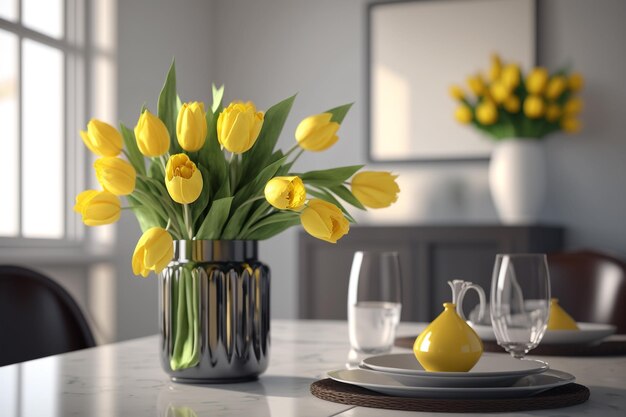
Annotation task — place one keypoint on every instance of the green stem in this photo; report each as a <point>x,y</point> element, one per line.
<point>300,152</point>
<point>293,148</point>
<point>188,224</point>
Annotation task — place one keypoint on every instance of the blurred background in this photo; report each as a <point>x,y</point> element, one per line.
<point>63,62</point>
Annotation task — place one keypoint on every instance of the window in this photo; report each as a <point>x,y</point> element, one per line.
<point>43,100</point>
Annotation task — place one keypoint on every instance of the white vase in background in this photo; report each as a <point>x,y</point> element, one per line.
<point>517,180</point>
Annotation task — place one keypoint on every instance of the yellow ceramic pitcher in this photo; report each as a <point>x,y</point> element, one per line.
<point>449,344</point>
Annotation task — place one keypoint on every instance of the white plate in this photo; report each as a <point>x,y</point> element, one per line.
<point>588,334</point>
<point>385,384</point>
<point>490,365</point>
<point>450,382</point>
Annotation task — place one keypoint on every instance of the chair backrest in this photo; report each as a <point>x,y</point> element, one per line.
<point>38,317</point>
<point>591,286</point>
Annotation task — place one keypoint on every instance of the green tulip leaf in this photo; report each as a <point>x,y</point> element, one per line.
<point>146,217</point>
<point>218,96</point>
<point>272,225</point>
<point>223,190</point>
<point>259,155</point>
<point>211,227</point>
<point>132,151</point>
<point>257,185</point>
<point>212,155</point>
<point>235,223</point>
<point>198,206</point>
<point>346,195</point>
<point>326,196</point>
<point>168,106</point>
<point>329,177</point>
<point>155,170</point>
<point>260,210</point>
<point>339,113</point>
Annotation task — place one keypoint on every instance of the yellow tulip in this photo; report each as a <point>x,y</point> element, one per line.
<point>152,136</point>
<point>537,80</point>
<point>456,92</point>
<point>153,252</point>
<point>115,175</point>
<point>499,91</point>
<point>571,124</point>
<point>553,112</point>
<point>512,104</point>
<point>576,82</point>
<point>556,87</point>
<point>238,126</point>
<point>496,67</point>
<point>317,133</point>
<point>183,179</point>
<point>98,207</point>
<point>102,139</point>
<point>324,221</point>
<point>487,113</point>
<point>534,107</point>
<point>285,193</point>
<point>573,106</point>
<point>463,114</point>
<point>375,189</point>
<point>191,126</point>
<point>510,76</point>
<point>476,84</point>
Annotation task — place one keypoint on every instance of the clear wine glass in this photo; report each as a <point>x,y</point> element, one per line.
<point>520,301</point>
<point>374,301</point>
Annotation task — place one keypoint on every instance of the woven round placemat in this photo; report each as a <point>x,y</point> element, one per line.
<point>564,396</point>
<point>606,348</point>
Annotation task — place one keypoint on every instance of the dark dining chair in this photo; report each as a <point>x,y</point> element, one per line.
<point>38,317</point>
<point>590,286</point>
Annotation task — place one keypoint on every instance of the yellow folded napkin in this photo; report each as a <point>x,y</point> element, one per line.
<point>559,319</point>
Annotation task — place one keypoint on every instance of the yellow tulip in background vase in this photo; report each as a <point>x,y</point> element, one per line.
<point>206,183</point>
<point>517,111</point>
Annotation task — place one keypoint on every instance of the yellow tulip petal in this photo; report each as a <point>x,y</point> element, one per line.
<point>317,133</point>
<point>315,225</point>
<point>153,252</point>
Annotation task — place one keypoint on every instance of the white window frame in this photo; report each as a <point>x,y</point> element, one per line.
<point>77,59</point>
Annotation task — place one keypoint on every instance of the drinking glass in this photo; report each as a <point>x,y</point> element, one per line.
<point>520,301</point>
<point>374,301</point>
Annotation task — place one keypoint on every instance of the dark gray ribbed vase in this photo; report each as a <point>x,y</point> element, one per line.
<point>232,291</point>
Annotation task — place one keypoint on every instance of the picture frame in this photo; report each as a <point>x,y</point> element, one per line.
<point>417,49</point>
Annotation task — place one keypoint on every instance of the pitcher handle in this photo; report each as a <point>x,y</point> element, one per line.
<point>481,298</point>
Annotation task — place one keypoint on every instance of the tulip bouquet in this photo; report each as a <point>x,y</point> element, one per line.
<point>512,105</point>
<point>214,174</point>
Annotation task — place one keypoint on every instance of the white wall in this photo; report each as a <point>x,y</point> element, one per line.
<point>267,50</point>
<point>586,178</point>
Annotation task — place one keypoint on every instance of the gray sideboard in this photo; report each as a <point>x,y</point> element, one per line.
<point>429,256</point>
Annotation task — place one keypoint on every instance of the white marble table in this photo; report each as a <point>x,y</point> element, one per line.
<point>125,379</point>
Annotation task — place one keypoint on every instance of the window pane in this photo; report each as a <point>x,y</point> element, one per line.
<point>9,149</point>
<point>42,141</point>
<point>44,16</point>
<point>8,9</point>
